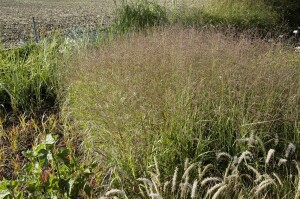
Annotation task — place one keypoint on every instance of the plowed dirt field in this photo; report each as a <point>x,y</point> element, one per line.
<point>16,17</point>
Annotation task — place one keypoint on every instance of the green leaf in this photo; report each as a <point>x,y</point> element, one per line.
<point>20,195</point>
<point>88,190</point>
<point>63,156</point>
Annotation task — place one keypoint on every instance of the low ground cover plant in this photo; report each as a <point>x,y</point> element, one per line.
<point>49,173</point>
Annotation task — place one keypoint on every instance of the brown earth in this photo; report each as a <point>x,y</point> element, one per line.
<point>16,17</point>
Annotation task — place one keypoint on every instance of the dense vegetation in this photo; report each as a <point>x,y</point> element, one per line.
<point>171,101</point>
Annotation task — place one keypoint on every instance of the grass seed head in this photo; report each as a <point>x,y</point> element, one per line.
<point>290,149</point>
<point>269,156</point>
<point>282,161</point>
<point>210,179</point>
<point>155,196</point>
<point>174,180</point>
<point>115,192</point>
<point>194,189</point>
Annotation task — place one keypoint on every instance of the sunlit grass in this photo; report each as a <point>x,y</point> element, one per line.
<point>177,94</point>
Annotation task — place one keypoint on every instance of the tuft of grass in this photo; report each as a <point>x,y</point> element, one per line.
<point>29,77</point>
<point>177,94</point>
<point>139,15</point>
<point>227,13</point>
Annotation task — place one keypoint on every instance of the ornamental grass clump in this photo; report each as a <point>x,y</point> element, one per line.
<point>177,94</point>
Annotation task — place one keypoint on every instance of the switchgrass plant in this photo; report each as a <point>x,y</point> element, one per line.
<point>179,93</point>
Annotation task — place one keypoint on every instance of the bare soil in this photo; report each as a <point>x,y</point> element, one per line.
<point>16,17</point>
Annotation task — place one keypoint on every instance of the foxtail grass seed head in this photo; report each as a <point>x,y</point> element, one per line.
<point>244,156</point>
<point>220,190</point>
<point>210,179</point>
<point>251,140</point>
<point>115,192</point>
<point>290,149</point>
<point>194,189</point>
<point>223,154</point>
<point>235,160</point>
<point>166,184</point>
<point>201,172</point>
<point>263,185</point>
<point>215,187</point>
<point>187,171</point>
<point>269,156</point>
<point>155,196</point>
<point>145,180</point>
<point>185,186</point>
<point>174,180</point>
<point>282,161</point>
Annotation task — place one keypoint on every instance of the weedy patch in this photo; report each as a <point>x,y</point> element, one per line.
<point>49,172</point>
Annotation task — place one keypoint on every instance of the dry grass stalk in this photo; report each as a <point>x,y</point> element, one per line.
<point>269,156</point>
<point>186,164</point>
<point>187,171</point>
<point>185,186</point>
<point>282,161</point>
<point>156,167</point>
<point>148,184</point>
<point>264,184</point>
<point>210,179</point>
<point>297,192</point>
<point>257,173</point>
<point>115,192</point>
<point>194,189</point>
<point>244,156</point>
<point>290,149</point>
<point>278,179</point>
<point>145,180</point>
<point>155,181</point>
<point>201,172</point>
<point>166,184</point>
<point>213,188</point>
<point>155,196</point>
<point>220,190</point>
<point>174,180</point>
<point>221,154</point>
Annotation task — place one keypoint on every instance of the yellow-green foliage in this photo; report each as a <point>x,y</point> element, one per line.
<point>237,13</point>
<point>29,77</point>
